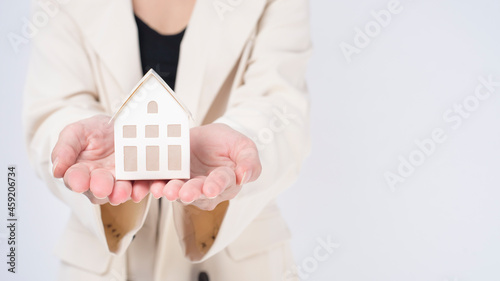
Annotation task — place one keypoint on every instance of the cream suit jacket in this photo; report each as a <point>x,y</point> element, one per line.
<point>242,63</point>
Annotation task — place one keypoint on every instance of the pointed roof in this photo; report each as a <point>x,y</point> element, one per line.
<point>152,74</point>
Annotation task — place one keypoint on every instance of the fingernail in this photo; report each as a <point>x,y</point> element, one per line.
<point>211,197</point>
<point>246,177</point>
<point>210,190</point>
<point>54,165</point>
<point>185,202</point>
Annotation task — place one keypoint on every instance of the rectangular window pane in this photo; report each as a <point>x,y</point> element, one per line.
<point>174,157</point>
<point>129,131</point>
<point>174,130</point>
<point>152,131</point>
<point>130,158</point>
<point>152,158</point>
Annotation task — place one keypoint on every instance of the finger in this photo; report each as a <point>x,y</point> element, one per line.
<point>139,190</point>
<point>218,180</point>
<point>121,192</point>
<point>171,189</point>
<point>94,200</point>
<point>77,178</point>
<point>101,183</point>
<point>69,145</point>
<point>248,167</point>
<point>157,188</point>
<point>191,190</point>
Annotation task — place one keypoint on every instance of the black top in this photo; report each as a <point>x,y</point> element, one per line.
<point>159,52</point>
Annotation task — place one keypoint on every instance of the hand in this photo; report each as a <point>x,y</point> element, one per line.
<point>84,157</point>
<point>222,160</point>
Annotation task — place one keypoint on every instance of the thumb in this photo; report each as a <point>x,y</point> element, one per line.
<point>69,145</point>
<point>248,166</point>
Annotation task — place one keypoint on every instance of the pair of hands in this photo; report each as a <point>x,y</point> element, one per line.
<point>222,160</point>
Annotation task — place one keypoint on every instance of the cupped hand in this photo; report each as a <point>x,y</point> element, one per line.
<point>84,157</point>
<point>222,160</point>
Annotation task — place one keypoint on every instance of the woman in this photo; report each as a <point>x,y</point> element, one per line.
<point>239,67</point>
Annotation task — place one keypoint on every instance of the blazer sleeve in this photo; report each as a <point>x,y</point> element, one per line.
<point>272,108</point>
<point>60,89</point>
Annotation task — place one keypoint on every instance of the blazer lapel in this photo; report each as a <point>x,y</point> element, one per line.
<point>110,29</point>
<point>212,44</point>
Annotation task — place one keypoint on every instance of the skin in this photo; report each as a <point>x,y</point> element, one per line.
<point>222,160</point>
<point>164,16</point>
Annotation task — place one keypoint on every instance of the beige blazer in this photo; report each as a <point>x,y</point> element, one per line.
<point>242,63</point>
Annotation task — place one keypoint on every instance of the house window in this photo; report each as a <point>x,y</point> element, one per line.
<point>152,107</point>
<point>130,158</point>
<point>129,131</point>
<point>152,158</point>
<point>174,157</point>
<point>152,131</point>
<point>174,130</point>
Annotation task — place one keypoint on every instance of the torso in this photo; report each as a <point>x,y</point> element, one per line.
<point>159,52</point>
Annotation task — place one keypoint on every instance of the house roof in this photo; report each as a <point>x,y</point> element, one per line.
<point>152,74</point>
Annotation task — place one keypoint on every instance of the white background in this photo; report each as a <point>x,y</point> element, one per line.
<point>441,223</point>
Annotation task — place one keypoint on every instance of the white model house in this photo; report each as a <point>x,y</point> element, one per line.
<point>152,133</point>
